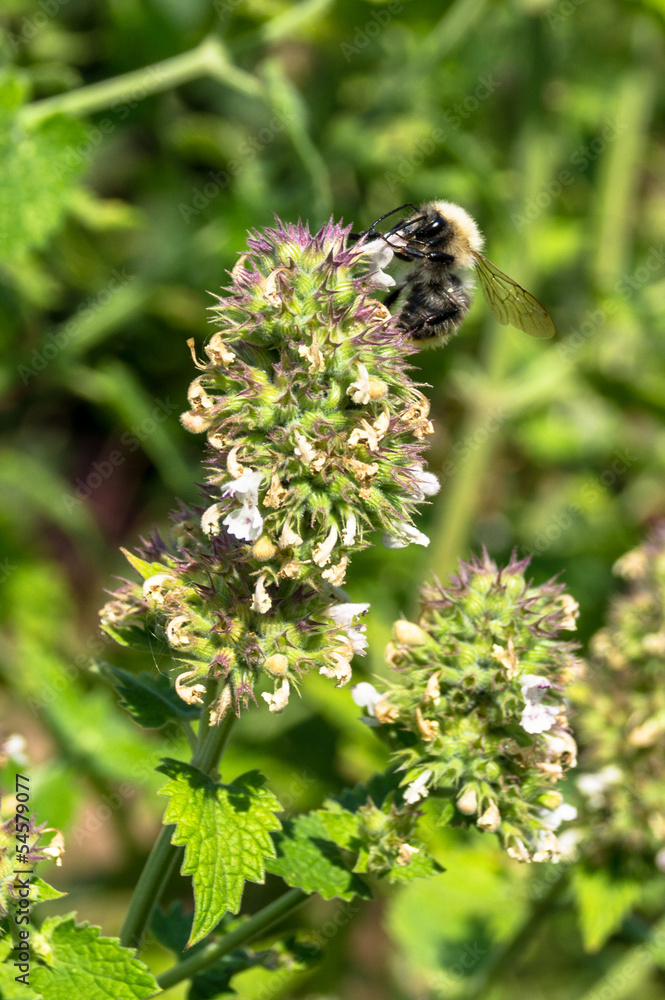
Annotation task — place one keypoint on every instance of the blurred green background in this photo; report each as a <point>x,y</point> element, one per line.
<point>545,120</point>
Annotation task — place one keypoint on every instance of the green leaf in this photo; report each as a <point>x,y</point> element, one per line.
<point>40,168</point>
<point>309,859</point>
<point>82,963</point>
<point>603,901</point>
<point>149,698</point>
<point>43,891</point>
<point>225,830</point>
<point>144,569</point>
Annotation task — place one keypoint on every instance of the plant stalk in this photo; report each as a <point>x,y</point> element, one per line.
<point>164,855</point>
<point>261,921</point>
<point>207,59</point>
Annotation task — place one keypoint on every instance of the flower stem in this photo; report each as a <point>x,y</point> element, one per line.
<point>207,59</point>
<point>241,935</point>
<point>164,855</point>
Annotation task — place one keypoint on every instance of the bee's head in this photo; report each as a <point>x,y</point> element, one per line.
<point>442,225</point>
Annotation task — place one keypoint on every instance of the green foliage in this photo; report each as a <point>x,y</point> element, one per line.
<point>603,901</point>
<point>79,961</point>
<point>40,168</point>
<point>546,121</point>
<point>225,830</point>
<point>173,929</point>
<point>149,698</point>
<point>307,857</point>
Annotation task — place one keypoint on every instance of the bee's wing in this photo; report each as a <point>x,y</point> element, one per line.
<point>511,303</point>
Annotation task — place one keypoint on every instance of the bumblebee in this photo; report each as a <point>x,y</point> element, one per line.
<point>440,239</point>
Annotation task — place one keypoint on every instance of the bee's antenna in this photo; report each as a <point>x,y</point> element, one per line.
<point>399,208</point>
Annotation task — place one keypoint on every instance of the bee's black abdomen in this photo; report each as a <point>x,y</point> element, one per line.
<point>435,306</point>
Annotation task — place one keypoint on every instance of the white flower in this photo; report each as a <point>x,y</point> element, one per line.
<point>175,634</point>
<point>407,535</point>
<point>191,694</point>
<point>553,818</point>
<point>405,853</point>
<point>349,531</point>
<point>660,860</point>
<point>427,485</point>
<point>417,789</point>
<point>340,668</point>
<point>547,847</point>
<point>517,849</point>
<point>210,520</point>
<point>536,717</point>
<point>366,696</point>
<point>359,390</point>
<point>322,552</point>
<point>14,748</point>
<point>277,702</point>
<point>261,600</point>
<point>568,841</point>
<point>343,615</point>
<point>244,486</point>
<point>593,786</point>
<point>533,682</point>
<point>244,523</point>
<point>379,254</point>
<point>152,587</point>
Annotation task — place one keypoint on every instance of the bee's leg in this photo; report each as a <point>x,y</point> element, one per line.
<point>449,315</point>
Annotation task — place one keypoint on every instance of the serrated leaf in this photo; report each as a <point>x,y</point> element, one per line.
<point>82,963</point>
<point>308,859</point>
<point>603,902</point>
<point>40,167</point>
<point>225,830</point>
<point>149,698</point>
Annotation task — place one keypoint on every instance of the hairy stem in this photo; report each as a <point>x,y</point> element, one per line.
<point>164,855</point>
<point>261,921</point>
